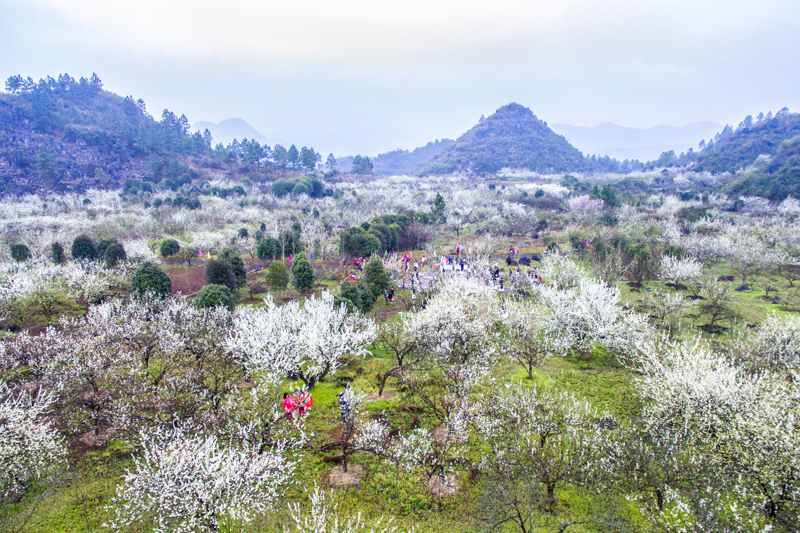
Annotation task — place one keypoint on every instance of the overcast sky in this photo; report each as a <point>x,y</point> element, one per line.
<point>358,76</point>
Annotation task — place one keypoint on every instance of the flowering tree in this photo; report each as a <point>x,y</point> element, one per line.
<point>29,445</point>
<point>551,437</point>
<point>529,338</point>
<point>777,343</point>
<point>193,483</point>
<point>301,342</point>
<point>590,312</point>
<point>675,270</point>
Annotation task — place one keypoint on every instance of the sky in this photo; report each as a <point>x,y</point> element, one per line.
<point>358,76</point>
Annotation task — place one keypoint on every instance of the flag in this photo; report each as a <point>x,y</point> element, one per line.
<point>291,258</point>
<point>312,256</point>
<point>519,244</point>
<point>200,253</point>
<point>587,243</point>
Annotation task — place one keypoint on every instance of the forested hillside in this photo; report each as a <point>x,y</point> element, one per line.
<point>512,137</point>
<point>65,134</point>
<point>400,162</point>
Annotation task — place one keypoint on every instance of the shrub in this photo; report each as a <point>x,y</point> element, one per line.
<point>350,293</point>
<point>211,296</point>
<point>57,253</point>
<point>303,273</point>
<point>150,278</point>
<point>103,244</point>
<point>377,278</point>
<point>20,252</point>
<point>169,247</point>
<point>269,248</point>
<point>83,247</point>
<point>220,272</point>
<point>237,265</point>
<point>114,254</point>
<point>277,276</point>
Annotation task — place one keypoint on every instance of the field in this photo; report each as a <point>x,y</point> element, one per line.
<point>640,385</point>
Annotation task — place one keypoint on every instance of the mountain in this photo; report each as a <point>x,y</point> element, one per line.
<point>512,137</point>
<point>400,162</point>
<point>622,142</point>
<point>65,134</point>
<point>233,128</point>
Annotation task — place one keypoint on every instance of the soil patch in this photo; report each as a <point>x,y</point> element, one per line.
<point>339,478</point>
<point>443,487</point>
<point>372,396</point>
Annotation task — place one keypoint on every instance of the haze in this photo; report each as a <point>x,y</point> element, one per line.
<point>365,77</point>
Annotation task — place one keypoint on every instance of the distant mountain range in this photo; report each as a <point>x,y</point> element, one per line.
<point>620,142</point>
<point>233,128</point>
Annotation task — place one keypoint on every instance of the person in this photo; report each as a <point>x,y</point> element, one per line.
<point>416,265</point>
<point>289,405</point>
<point>391,294</point>
<point>304,401</point>
<point>344,408</point>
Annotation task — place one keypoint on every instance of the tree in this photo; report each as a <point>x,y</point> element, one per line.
<point>529,339</point>
<point>349,291</point>
<point>269,248</point>
<point>57,253</point>
<point>293,157</point>
<point>301,343</point>
<point>20,252</point>
<point>214,296</point>
<point>29,443</point>
<point>330,162</point>
<point>303,273</point>
<point>169,247</point>
<point>281,156</point>
<point>309,159</point>
<point>113,254</point>
<point>237,265</point>
<point>361,165</point>
<point>377,277</point>
<point>83,247</point>
<point>149,278</point>
<point>220,272</point>
<point>193,483</point>
<point>277,276</point>
<point>437,212</point>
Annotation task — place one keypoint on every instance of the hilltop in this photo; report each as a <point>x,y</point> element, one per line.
<point>512,137</point>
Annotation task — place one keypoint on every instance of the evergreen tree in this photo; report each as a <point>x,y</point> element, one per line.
<point>83,247</point>
<point>377,278</point>
<point>57,253</point>
<point>212,295</point>
<point>303,273</point>
<point>148,278</point>
<point>220,272</point>
<point>237,265</point>
<point>437,213</point>
<point>114,254</point>
<point>20,252</point>
<point>169,247</point>
<point>350,292</point>
<point>277,276</point>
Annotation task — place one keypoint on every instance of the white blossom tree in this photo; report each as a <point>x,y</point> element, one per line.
<point>304,343</point>
<point>29,444</point>
<point>194,483</point>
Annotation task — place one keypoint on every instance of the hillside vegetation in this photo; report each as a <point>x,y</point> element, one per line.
<point>512,137</point>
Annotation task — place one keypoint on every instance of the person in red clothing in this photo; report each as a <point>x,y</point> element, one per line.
<point>289,405</point>
<point>304,401</point>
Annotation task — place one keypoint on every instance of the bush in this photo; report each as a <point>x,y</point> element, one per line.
<point>20,252</point>
<point>237,265</point>
<point>350,294</point>
<point>169,247</point>
<point>212,295</point>
<point>377,278</point>
<point>220,272</point>
<point>150,278</point>
<point>303,273</point>
<point>277,276</point>
<point>83,247</point>
<point>103,244</point>
<point>269,248</point>
<point>114,254</point>
<point>57,253</point>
